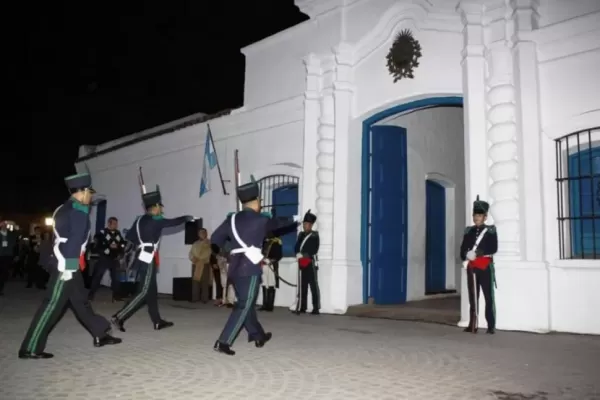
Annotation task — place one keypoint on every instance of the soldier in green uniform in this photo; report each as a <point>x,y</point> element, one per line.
<point>307,247</point>
<point>479,244</point>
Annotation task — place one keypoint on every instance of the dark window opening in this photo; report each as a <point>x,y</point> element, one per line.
<point>578,187</point>
<point>279,195</point>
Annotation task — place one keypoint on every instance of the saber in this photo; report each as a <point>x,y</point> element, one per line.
<point>236,168</point>
<point>141,179</point>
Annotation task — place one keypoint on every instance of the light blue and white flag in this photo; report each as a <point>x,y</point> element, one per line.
<point>209,162</point>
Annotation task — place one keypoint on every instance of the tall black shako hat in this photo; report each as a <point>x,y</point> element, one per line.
<point>310,217</point>
<point>480,206</point>
<point>151,199</point>
<point>248,191</point>
<point>79,182</point>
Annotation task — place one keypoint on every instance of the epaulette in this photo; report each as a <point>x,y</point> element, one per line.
<point>230,214</point>
<point>266,214</point>
<point>468,229</point>
<point>491,229</point>
<point>101,231</point>
<point>315,232</point>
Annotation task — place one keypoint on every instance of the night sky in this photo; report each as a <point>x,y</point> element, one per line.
<point>87,73</point>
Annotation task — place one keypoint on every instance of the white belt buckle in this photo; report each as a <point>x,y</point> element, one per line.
<point>254,254</point>
<point>146,256</point>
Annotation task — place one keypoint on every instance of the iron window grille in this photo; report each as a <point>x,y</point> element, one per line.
<point>279,196</point>
<point>578,191</point>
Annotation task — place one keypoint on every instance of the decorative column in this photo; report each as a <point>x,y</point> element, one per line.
<point>325,164</point>
<point>502,136</point>
<point>525,19</point>
<point>312,107</point>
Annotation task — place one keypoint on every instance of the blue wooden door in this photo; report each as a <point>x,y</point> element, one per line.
<point>435,238</point>
<point>388,230</point>
<point>285,204</point>
<point>100,215</point>
<point>584,194</point>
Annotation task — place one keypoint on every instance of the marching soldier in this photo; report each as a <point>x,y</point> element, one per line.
<point>307,247</point>
<point>270,276</point>
<point>111,247</point>
<point>71,233</point>
<point>479,244</point>
<point>145,233</point>
<point>246,230</point>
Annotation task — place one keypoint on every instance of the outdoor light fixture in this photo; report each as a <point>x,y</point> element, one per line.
<point>49,222</point>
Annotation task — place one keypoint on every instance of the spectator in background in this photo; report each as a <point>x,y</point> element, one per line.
<point>33,268</point>
<point>8,252</point>
<point>46,255</point>
<point>200,256</point>
<point>216,271</point>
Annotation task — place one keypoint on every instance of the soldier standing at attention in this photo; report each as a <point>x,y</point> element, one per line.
<point>307,247</point>
<point>478,247</point>
<point>246,230</point>
<point>71,233</point>
<point>145,233</point>
<point>111,248</point>
<point>272,250</point>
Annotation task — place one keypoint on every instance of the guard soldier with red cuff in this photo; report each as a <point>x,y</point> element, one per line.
<point>71,233</point>
<point>479,244</point>
<point>307,247</point>
<point>145,234</point>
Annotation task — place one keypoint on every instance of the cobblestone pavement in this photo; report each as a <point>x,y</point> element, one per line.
<point>310,357</point>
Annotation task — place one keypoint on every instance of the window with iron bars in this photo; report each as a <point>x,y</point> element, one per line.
<point>578,187</point>
<point>279,195</point>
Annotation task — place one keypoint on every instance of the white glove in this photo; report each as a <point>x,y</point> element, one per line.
<point>296,218</point>
<point>471,255</point>
<point>267,261</point>
<point>298,256</point>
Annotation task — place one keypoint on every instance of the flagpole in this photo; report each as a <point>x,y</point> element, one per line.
<point>217,160</point>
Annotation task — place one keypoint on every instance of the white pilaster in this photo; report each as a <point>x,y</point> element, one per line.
<point>474,68</point>
<point>326,164</point>
<point>525,19</point>
<point>502,136</point>
<point>343,90</point>
<point>312,106</point>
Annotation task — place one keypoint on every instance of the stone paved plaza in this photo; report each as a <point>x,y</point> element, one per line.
<point>310,357</point>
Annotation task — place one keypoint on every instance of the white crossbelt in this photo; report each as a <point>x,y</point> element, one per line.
<point>145,256</point>
<point>252,253</point>
<point>471,253</point>
<point>61,261</point>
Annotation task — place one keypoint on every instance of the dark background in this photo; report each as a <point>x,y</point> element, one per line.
<point>87,73</point>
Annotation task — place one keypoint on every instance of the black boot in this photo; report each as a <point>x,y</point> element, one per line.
<point>163,325</point>
<point>265,300</point>
<point>27,355</point>
<point>223,348</point>
<point>118,323</point>
<point>261,343</point>
<point>106,340</point>
<point>470,328</point>
<point>271,297</point>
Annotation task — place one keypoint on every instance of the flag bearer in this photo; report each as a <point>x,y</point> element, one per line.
<point>246,230</point>
<point>71,233</point>
<point>479,244</point>
<point>145,233</point>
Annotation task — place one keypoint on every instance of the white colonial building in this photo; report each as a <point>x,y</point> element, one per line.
<point>504,104</point>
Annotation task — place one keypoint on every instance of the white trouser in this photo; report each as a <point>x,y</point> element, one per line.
<point>268,276</point>
<point>228,293</point>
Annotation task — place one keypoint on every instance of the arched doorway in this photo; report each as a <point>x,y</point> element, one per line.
<point>384,225</point>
